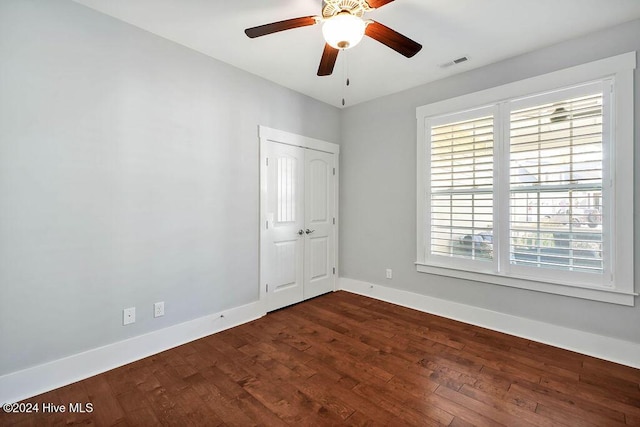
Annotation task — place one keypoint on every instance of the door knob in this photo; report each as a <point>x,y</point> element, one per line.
<point>300,232</point>
<point>309,231</point>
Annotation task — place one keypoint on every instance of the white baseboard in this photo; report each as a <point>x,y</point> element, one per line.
<point>39,379</point>
<point>612,349</point>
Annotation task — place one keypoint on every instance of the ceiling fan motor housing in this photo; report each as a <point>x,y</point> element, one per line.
<point>354,7</point>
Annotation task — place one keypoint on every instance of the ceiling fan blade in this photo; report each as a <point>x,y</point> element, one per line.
<point>274,27</point>
<point>392,39</point>
<point>328,60</point>
<point>378,3</point>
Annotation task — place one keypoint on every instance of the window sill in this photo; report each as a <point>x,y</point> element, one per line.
<point>596,294</point>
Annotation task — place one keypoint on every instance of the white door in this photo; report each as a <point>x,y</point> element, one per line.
<point>297,255</point>
<point>319,245</point>
<point>282,254</point>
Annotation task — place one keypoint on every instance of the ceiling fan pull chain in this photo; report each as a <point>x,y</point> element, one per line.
<point>345,75</point>
<point>346,66</point>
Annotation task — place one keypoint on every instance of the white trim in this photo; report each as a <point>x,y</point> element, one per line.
<point>423,182</point>
<point>607,348</point>
<point>622,221</point>
<point>336,228</point>
<point>269,134</point>
<point>39,379</point>
<point>540,284</point>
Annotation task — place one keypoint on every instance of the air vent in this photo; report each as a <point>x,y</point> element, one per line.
<point>454,62</point>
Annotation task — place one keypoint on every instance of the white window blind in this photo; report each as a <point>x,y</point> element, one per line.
<point>556,185</point>
<point>462,188</point>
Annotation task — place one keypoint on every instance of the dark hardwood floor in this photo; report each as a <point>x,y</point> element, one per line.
<point>344,359</point>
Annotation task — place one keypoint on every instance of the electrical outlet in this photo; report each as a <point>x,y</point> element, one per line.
<point>128,315</point>
<point>158,309</point>
<point>389,273</point>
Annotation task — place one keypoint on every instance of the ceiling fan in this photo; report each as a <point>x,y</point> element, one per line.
<point>343,27</point>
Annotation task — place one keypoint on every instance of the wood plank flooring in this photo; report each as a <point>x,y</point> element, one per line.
<point>344,359</point>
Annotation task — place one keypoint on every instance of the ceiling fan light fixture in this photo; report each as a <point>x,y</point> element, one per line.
<point>344,30</point>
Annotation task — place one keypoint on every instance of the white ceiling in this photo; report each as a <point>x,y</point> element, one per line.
<point>486,31</point>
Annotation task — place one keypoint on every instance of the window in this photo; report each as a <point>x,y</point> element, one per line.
<point>556,171</point>
<point>461,189</point>
<point>526,189</point>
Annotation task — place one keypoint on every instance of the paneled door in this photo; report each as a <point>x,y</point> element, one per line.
<point>298,231</point>
<point>319,244</point>
<point>282,255</point>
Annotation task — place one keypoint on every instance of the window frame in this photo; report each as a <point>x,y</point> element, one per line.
<point>568,277</point>
<point>438,260</point>
<point>618,287</point>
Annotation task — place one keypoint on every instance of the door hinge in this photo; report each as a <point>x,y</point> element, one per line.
<point>334,270</point>
<point>334,171</point>
<point>267,225</point>
<point>267,160</point>
<point>267,287</point>
<point>334,220</point>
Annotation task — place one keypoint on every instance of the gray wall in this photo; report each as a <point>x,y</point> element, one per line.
<point>378,191</point>
<point>128,175</point>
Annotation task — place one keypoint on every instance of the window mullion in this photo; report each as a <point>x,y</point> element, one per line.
<point>501,189</point>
